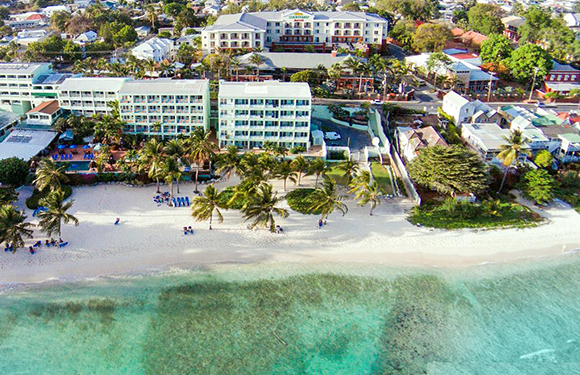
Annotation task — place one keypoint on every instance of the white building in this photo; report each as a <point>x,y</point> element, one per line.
<point>251,113</point>
<point>156,49</point>
<point>21,86</point>
<point>572,19</point>
<point>293,30</point>
<point>89,96</point>
<point>50,10</point>
<point>462,110</point>
<point>164,106</point>
<point>25,37</point>
<point>486,139</point>
<point>570,150</point>
<point>86,38</point>
<point>44,114</point>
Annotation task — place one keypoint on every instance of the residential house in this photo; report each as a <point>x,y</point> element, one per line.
<point>411,141</point>
<point>25,37</point>
<point>511,25</point>
<point>44,114</point>
<point>472,38</point>
<point>570,150</point>
<point>50,10</point>
<point>562,78</point>
<point>156,49</point>
<point>143,31</point>
<point>87,37</point>
<point>485,139</point>
<point>572,19</point>
<point>462,110</point>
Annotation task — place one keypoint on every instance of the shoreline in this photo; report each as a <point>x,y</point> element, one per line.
<point>150,238</point>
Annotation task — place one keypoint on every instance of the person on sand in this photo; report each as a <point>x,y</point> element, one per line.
<point>320,224</point>
<point>190,230</point>
<point>117,221</point>
<point>185,231</point>
<point>31,249</point>
<point>52,242</point>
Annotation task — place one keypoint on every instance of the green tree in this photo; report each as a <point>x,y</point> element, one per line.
<point>59,20</point>
<point>262,207</point>
<point>300,165</point>
<point>151,158</point>
<point>326,199</point>
<point>449,170</point>
<point>285,172</point>
<point>485,18</point>
<point>228,161</point>
<point>423,10</point>
<point>495,49</point>
<point>537,19</point>
<point>524,61</point>
<point>317,168</point>
<point>126,34</point>
<point>544,159</point>
<point>205,205</point>
<point>308,76</point>
<point>403,31</point>
<point>349,169</point>
<point>49,175</point>
<point>13,171</point>
<point>539,186</point>
<point>7,195</point>
<point>200,149</point>
<point>430,37</point>
<point>511,152</point>
<point>13,228</point>
<point>51,220</point>
<point>186,54</point>
<point>366,191</point>
<point>171,172</point>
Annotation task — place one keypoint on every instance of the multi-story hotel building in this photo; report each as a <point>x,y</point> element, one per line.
<point>293,30</point>
<point>251,113</point>
<point>24,86</point>
<point>89,95</point>
<point>164,107</point>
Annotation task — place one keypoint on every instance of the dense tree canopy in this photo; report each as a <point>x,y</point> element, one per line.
<point>485,18</point>
<point>13,171</point>
<point>539,186</point>
<point>430,37</point>
<point>537,19</point>
<point>524,61</point>
<point>403,32</point>
<point>449,170</point>
<point>495,49</point>
<point>410,9</point>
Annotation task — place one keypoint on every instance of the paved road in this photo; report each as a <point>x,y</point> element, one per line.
<point>353,138</point>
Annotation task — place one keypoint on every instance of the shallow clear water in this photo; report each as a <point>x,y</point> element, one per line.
<point>520,318</point>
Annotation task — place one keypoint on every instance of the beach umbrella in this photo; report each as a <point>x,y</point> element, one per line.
<point>86,146</point>
<point>72,146</point>
<point>60,147</point>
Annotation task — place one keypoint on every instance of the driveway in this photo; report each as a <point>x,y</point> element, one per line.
<point>353,138</point>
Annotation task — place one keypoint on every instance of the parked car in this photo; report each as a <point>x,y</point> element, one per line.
<point>332,136</point>
<point>377,102</point>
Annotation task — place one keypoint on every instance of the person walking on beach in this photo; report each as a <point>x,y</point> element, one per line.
<point>320,224</point>
<point>117,221</point>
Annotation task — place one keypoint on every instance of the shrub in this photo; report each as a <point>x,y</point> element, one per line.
<point>32,201</point>
<point>337,155</point>
<point>297,150</point>
<point>300,200</point>
<point>13,171</point>
<point>7,196</point>
<point>226,195</point>
<point>539,186</point>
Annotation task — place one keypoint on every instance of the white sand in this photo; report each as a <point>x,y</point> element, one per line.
<point>150,238</point>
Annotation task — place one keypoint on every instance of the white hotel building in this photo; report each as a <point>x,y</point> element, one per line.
<point>293,30</point>
<point>251,113</point>
<point>162,107</point>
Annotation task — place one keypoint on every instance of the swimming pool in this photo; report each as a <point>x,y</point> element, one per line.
<point>76,165</point>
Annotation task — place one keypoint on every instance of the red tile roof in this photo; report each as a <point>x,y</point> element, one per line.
<point>48,108</point>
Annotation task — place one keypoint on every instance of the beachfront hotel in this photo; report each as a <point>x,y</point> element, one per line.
<point>89,95</point>
<point>251,113</point>
<point>23,86</point>
<point>164,107</point>
<point>293,30</point>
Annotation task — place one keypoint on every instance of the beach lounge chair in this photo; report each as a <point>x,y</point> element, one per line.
<point>174,203</point>
<point>187,201</point>
<point>63,244</point>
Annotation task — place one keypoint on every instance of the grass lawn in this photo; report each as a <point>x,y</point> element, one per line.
<point>474,215</point>
<point>381,175</point>
<point>337,175</point>
<point>300,201</point>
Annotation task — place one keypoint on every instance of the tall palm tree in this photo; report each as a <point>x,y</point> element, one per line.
<point>151,13</point>
<point>354,65</point>
<point>171,172</point>
<point>51,220</point>
<point>13,228</point>
<point>317,168</point>
<point>285,172</point>
<point>262,207</point>
<point>300,165</point>
<point>364,69</point>
<point>228,161</point>
<point>236,67</point>
<point>152,158</point>
<point>49,175</point>
<point>327,200</point>
<point>350,169</point>
<point>204,206</point>
<point>200,149</point>
<point>175,149</point>
<point>368,193</point>
<point>511,152</point>
<point>256,60</point>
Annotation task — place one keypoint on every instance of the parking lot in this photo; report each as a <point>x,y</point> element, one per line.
<point>353,138</point>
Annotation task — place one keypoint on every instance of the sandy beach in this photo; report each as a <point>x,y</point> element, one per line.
<point>150,237</point>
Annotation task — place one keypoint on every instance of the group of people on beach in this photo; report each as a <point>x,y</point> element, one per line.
<point>32,249</point>
<point>321,223</point>
<point>187,230</point>
<point>162,198</point>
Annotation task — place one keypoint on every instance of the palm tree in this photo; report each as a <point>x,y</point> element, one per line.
<point>49,175</point>
<point>354,65</point>
<point>13,229</point>
<point>350,168</point>
<point>205,205</point>
<point>368,193</point>
<point>262,207</point>
<point>511,152</point>
<point>228,161</point>
<point>364,69</point>
<point>326,199</point>
<point>236,67</point>
<point>300,165</point>
<point>318,168</point>
<point>175,149</point>
<point>151,158</point>
<point>152,15</point>
<point>52,219</point>
<point>286,172</point>
<point>256,60</point>
<point>171,172</point>
<point>200,149</point>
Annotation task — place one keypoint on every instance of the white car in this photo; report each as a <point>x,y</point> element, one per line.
<point>377,102</point>
<point>332,136</point>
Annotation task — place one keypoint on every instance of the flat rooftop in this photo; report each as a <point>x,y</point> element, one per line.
<point>92,84</point>
<point>23,68</point>
<point>25,144</point>
<point>266,90</point>
<point>165,86</point>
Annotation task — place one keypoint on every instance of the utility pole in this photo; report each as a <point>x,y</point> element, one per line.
<point>536,69</point>
<point>491,74</point>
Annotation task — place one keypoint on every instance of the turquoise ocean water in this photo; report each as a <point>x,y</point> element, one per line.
<point>518,318</point>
